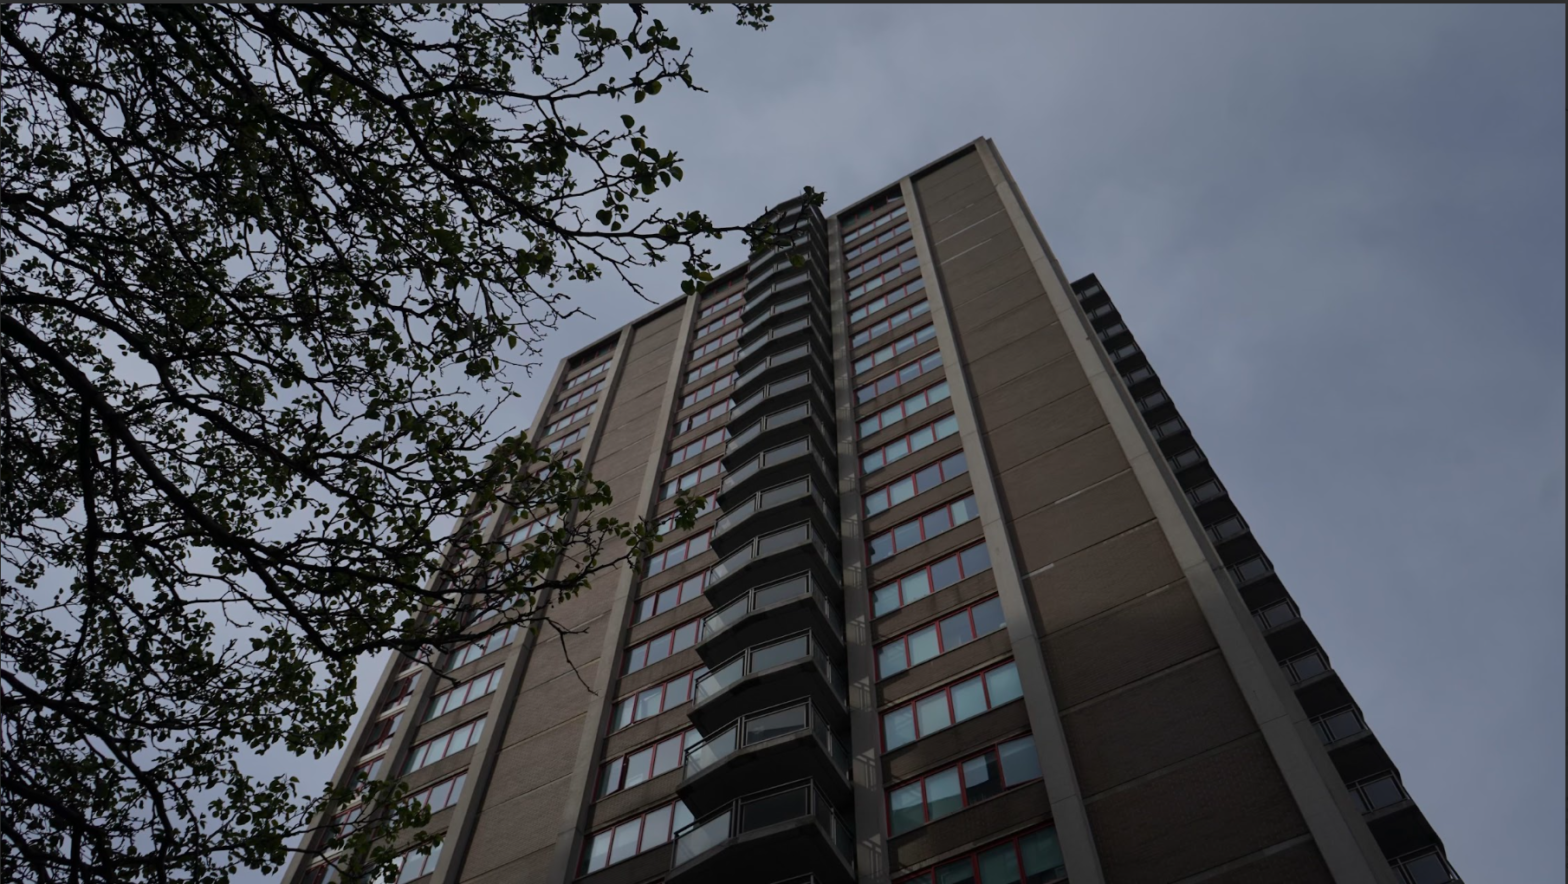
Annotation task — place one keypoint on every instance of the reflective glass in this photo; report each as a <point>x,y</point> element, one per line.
<point>999,865</point>
<point>881,547</point>
<point>1019,763</point>
<point>955,631</point>
<point>773,809</point>
<point>898,727</point>
<point>656,827</point>
<point>945,573</point>
<point>975,559</point>
<point>923,646</point>
<point>942,794</point>
<point>937,522</point>
<point>885,600</point>
<point>624,845</point>
<point>981,778</point>
<point>968,699</point>
<point>906,811</point>
<point>1042,856</point>
<point>667,757</point>
<point>988,617</point>
<point>637,767</point>
<point>774,724</point>
<point>933,713</point>
<point>1002,684</point>
<point>891,659</point>
<point>916,586</point>
<point>958,872</point>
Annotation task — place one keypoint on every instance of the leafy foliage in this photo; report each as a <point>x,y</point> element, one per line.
<point>269,272</point>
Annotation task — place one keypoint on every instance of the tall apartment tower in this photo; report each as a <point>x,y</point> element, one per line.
<point>968,604</point>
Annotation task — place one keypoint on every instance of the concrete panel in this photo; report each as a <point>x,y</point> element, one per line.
<point>1299,863</point>
<point>510,830</point>
<point>1102,577</point>
<point>536,761</point>
<point>962,209</point>
<point>1218,808</point>
<point>1034,344</point>
<point>1044,428</point>
<point>982,226</point>
<point>549,704</point>
<point>1067,469</point>
<point>991,304</point>
<point>1125,644</point>
<point>1099,512</point>
<point>1037,387</point>
<point>531,869</point>
<point>559,653</point>
<point>981,269</point>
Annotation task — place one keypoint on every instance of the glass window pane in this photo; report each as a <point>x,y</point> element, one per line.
<point>928,478</point>
<point>625,843</point>
<point>933,714</point>
<point>1382,793</point>
<point>982,778</point>
<point>682,818</point>
<point>936,523</point>
<point>957,872</point>
<point>901,491</point>
<point>956,632</point>
<point>905,805</point>
<point>881,547</point>
<point>988,617</point>
<point>658,649</point>
<point>1002,683</point>
<point>999,865</point>
<point>885,600</point>
<point>954,465</point>
<point>686,636</point>
<point>1042,856</point>
<point>677,691</point>
<point>968,699</point>
<point>637,659</point>
<point>965,510</point>
<point>891,659</point>
<point>772,809</point>
<point>906,535</point>
<point>976,559</point>
<point>648,702</point>
<point>922,646</point>
<point>656,827</point>
<point>599,852</point>
<point>667,757</point>
<point>916,586</point>
<point>898,727</point>
<point>1019,764</point>
<point>942,793</point>
<point>876,503</point>
<point>945,573</point>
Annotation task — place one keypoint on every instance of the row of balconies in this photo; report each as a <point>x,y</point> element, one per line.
<point>1402,832</point>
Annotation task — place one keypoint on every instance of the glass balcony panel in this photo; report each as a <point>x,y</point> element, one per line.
<point>732,563</point>
<point>740,513</point>
<point>776,808</point>
<point>775,724</point>
<point>724,618</point>
<point>772,595</point>
<point>775,496</point>
<point>780,653</point>
<point>701,838</point>
<point>710,751</point>
<point>719,679</point>
<point>782,540</point>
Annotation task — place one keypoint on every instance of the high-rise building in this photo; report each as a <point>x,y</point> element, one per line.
<point>968,603</point>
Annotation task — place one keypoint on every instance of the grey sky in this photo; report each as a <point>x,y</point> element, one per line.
<point>1338,232</point>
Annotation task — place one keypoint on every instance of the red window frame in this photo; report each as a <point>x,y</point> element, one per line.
<point>594,372</point>
<point>908,441</point>
<point>666,523</point>
<point>403,690</point>
<point>688,549</point>
<point>381,732</point>
<point>963,787</point>
<point>920,521</point>
<point>712,412</point>
<point>929,875</point>
<point>853,253</point>
<point>722,321</point>
<point>937,392</point>
<point>864,229</point>
<point>708,389</point>
<point>671,597</point>
<point>621,765</point>
<point>671,639</point>
<point>531,529</point>
<point>881,258</point>
<point>574,436</point>
<point>941,642</point>
<point>475,729</point>
<point>499,639</point>
<point>711,366</point>
<point>876,282</point>
<point>728,337</point>
<point>682,686</point>
<point>453,786</point>
<point>643,844</point>
<point>716,306</point>
<point>944,473</point>
<point>888,323</point>
<point>894,378</point>
<point>492,679</point>
<point>952,710</point>
<point>579,396</point>
<point>888,299</point>
<point>574,417</point>
<point>710,470</point>
<point>697,446</point>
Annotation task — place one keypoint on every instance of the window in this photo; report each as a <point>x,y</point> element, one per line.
<point>935,639</point>
<point>400,694</point>
<point>463,693</point>
<point>529,530</point>
<point>1186,458</point>
<point>472,651</point>
<point>440,796</point>
<point>955,703</point>
<point>686,481</point>
<point>715,325</point>
<point>1102,310</point>
<point>1338,725</point>
<point>380,734</point>
<point>716,306</point>
<point>1121,353</point>
<point>367,771</point>
<point>711,366</point>
<point>438,747</point>
<point>892,254</point>
<point>708,389</point>
<point>1111,331</point>
<point>662,646</point>
<point>702,417</point>
<point>868,245</point>
<point>898,377</point>
<point>1226,528</point>
<point>887,324</point>
<point>345,821</point>
<point>1091,290</point>
<point>576,435</point>
<point>909,407</point>
<point>667,524</point>
<point>671,556</point>
<point>1168,428</point>
<point>1277,614</point>
<point>728,337</point>
<point>672,597</point>
<point>636,835</point>
<point>692,449</point>
<point>902,345</point>
<point>412,865</point>
<point>652,701</point>
<point>1248,570</point>
<point>1205,492</point>
<point>922,528</point>
<point>1033,858</point>
<point>898,449</point>
<point>322,874</point>
<point>934,577</point>
<point>587,376</point>
<point>876,282</point>
<point>574,417</point>
<point>907,487</point>
<point>1305,666</point>
<point>1427,867</point>
<point>1377,792</point>
<point>947,791</point>
<point>883,221</point>
<point>579,396</point>
<point>642,765</point>
<point>1137,375</point>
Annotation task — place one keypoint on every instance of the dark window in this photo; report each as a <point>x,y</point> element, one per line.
<point>1137,375</point>
<point>1306,666</point>
<point>1206,491</point>
<point>1336,726</point>
<point>1277,614</point>
<point>1252,569</point>
<point>1377,792</point>
<point>1225,529</point>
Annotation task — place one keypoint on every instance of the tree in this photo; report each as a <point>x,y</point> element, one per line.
<point>269,272</point>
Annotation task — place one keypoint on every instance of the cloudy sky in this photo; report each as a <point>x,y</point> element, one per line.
<point>1337,231</point>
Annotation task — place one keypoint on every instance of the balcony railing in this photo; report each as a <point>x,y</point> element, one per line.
<point>766,597</point>
<point>777,359</point>
<point>775,542</point>
<point>1225,529</point>
<point>771,458</point>
<point>762,727</point>
<point>759,811</point>
<point>1425,867</point>
<point>755,323</point>
<point>787,328</point>
<point>1377,792</point>
<point>766,500</point>
<point>773,389</point>
<point>1339,725</point>
<point>1277,614</point>
<point>757,299</point>
<point>769,656</point>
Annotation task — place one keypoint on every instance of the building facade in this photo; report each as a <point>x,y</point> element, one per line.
<point>967,603</point>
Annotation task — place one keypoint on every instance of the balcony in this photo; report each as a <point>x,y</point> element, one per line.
<point>764,750</point>
<point>810,417</point>
<point>805,301</point>
<point>770,509</point>
<point>791,550</point>
<point>788,606</point>
<point>789,831</point>
<point>1340,726</point>
<point>759,298</point>
<point>791,460</point>
<point>1424,867</point>
<point>764,676</point>
<point>804,354</point>
<point>808,328</point>
<point>779,393</point>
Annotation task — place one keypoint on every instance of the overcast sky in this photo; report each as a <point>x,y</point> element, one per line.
<point>1337,231</point>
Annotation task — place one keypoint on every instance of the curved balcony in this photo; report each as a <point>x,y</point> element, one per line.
<point>810,328</point>
<point>788,606</point>
<point>788,831</point>
<point>804,300</point>
<point>805,240</point>
<point>800,547</point>
<point>780,287</point>
<point>791,460</point>
<point>804,414</point>
<point>764,676</point>
<point>792,742</point>
<point>780,393</point>
<point>776,366</point>
<point>771,509</point>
